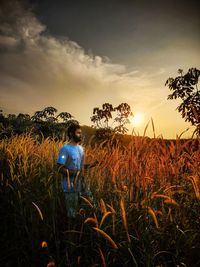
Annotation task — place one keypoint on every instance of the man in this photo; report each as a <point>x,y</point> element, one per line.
<point>71,165</point>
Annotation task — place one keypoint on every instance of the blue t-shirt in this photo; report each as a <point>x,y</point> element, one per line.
<point>72,157</point>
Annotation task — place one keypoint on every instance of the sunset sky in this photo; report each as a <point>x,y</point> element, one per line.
<point>77,55</point>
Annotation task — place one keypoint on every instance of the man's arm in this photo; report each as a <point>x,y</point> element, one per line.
<point>61,160</point>
<point>62,168</point>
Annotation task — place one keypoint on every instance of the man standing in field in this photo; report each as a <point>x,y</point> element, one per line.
<point>71,165</point>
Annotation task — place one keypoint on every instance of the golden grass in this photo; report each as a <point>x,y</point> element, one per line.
<point>39,211</point>
<point>123,213</point>
<point>157,168</point>
<point>102,206</point>
<point>154,178</point>
<point>113,219</point>
<point>171,202</point>
<point>107,237</point>
<point>104,217</point>
<point>196,185</point>
<point>93,220</point>
<point>87,201</point>
<point>153,215</point>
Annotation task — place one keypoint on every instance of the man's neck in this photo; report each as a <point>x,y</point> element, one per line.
<point>72,142</point>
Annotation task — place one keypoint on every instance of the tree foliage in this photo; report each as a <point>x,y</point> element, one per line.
<point>185,87</point>
<point>105,122</point>
<point>44,122</point>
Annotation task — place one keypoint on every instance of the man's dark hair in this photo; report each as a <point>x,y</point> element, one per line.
<point>71,129</point>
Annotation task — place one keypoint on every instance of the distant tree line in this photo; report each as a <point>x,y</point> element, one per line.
<point>44,122</point>
<point>47,123</point>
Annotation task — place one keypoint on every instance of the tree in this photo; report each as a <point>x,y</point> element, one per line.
<point>123,113</point>
<point>186,88</point>
<point>2,118</point>
<point>47,114</point>
<point>50,124</point>
<point>65,116</point>
<point>102,117</point>
<point>13,124</point>
<point>44,122</point>
<point>22,123</point>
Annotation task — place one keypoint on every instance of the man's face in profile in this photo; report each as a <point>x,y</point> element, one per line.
<point>78,135</point>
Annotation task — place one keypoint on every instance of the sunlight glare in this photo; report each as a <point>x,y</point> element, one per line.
<point>137,119</point>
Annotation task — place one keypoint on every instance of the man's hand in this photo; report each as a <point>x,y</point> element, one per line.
<point>62,168</point>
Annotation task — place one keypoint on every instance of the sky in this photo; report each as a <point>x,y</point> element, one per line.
<point>77,55</point>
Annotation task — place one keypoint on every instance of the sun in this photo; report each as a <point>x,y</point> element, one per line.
<point>137,119</point>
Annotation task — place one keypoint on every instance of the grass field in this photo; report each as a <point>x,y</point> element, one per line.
<point>142,207</point>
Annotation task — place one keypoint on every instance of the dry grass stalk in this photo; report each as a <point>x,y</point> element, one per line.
<point>102,206</point>
<point>195,182</point>
<point>123,212</point>
<point>153,215</point>
<point>102,258</point>
<point>107,237</point>
<point>87,201</point>
<point>104,217</point>
<point>113,218</point>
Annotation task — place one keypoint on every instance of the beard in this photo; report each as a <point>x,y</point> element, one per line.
<point>77,139</point>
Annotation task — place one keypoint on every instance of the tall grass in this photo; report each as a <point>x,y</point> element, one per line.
<point>144,209</point>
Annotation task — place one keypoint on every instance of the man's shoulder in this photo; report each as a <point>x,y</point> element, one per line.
<point>66,146</point>
<point>81,148</point>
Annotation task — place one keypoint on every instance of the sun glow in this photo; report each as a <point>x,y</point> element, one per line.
<point>137,119</point>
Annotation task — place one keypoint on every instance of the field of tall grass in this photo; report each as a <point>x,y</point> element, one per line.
<point>142,206</point>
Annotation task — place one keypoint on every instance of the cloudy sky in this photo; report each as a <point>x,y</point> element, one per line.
<point>77,55</point>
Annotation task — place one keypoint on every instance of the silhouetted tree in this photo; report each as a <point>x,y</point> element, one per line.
<point>65,116</point>
<point>186,88</point>
<point>44,122</point>
<point>102,117</point>
<point>14,124</point>
<point>6,127</point>
<point>50,124</point>
<point>2,118</point>
<point>123,113</point>
<point>23,117</point>
<point>47,114</point>
<point>11,117</point>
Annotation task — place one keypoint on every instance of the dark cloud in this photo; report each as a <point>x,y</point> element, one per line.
<point>123,29</point>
